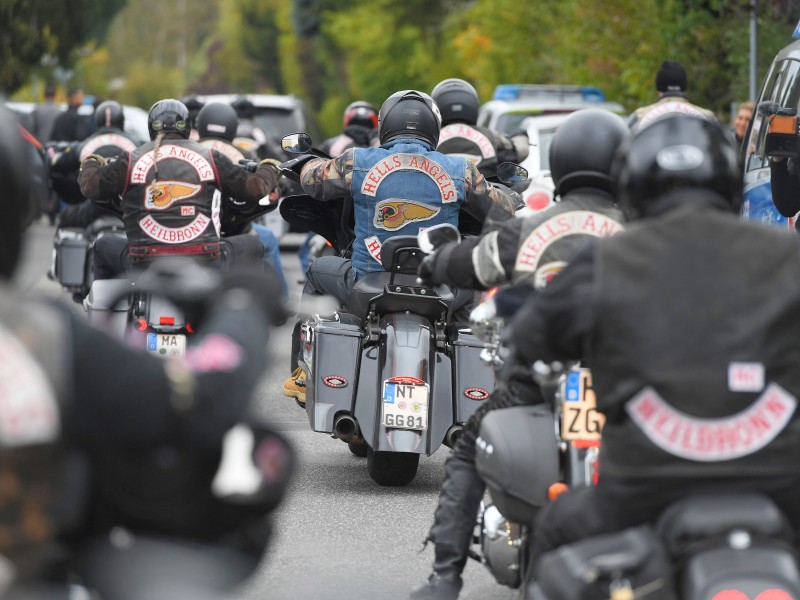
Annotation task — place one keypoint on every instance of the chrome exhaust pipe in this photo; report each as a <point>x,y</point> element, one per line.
<point>452,435</point>
<point>345,428</point>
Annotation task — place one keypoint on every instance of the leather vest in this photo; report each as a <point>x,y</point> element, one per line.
<point>177,213</point>
<point>477,144</point>
<point>702,384</point>
<point>33,385</point>
<point>398,189</point>
<point>548,240</point>
<point>107,143</point>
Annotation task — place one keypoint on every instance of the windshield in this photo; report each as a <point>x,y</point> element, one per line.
<point>545,139</point>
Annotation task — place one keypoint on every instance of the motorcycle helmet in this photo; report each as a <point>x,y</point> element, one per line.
<point>410,113</point>
<point>457,100</point>
<point>109,114</point>
<point>361,113</point>
<point>168,116</point>
<point>15,181</point>
<point>244,108</point>
<point>217,120</point>
<point>676,152</point>
<point>193,104</point>
<point>582,149</point>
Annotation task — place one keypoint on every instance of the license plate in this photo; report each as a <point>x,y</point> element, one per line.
<point>167,344</point>
<point>405,405</point>
<point>580,420</point>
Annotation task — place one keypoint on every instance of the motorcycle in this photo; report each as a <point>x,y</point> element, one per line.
<point>147,308</point>
<point>710,546</point>
<point>390,374</point>
<point>528,455</point>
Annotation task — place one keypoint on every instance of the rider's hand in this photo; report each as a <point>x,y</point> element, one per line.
<point>426,269</point>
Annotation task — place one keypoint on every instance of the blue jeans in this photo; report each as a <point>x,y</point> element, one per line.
<point>304,252</point>
<point>272,253</point>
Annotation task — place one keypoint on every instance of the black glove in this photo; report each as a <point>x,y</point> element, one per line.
<point>426,270</point>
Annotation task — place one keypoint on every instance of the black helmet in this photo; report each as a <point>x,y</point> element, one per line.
<point>15,185</point>
<point>193,104</point>
<point>109,114</point>
<point>410,113</point>
<point>583,147</point>
<point>361,113</point>
<point>168,116</point>
<point>457,100</point>
<point>217,120</point>
<point>244,108</point>
<point>675,152</point>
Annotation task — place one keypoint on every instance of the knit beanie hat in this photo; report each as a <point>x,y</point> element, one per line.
<point>671,77</point>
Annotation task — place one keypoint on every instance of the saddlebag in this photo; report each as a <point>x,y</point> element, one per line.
<point>597,568</point>
<point>517,457</point>
<point>71,258</point>
<point>473,378</point>
<point>330,352</point>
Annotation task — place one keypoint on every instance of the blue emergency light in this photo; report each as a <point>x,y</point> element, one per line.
<point>516,91</point>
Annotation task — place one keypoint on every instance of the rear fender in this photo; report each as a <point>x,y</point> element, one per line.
<point>405,349</point>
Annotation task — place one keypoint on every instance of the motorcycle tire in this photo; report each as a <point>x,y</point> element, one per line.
<point>359,450</point>
<point>392,468</point>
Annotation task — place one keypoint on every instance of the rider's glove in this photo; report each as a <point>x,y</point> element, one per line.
<point>426,269</point>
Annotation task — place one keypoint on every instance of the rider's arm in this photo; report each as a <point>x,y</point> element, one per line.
<point>479,263</point>
<point>328,179</point>
<point>555,323</point>
<point>241,184</point>
<point>479,204</point>
<point>99,180</point>
<point>129,396</point>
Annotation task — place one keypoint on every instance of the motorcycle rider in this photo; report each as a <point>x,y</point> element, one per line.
<point>458,102</point>
<point>167,189</point>
<point>250,137</point>
<point>216,127</point>
<point>395,189</point>
<point>524,251</point>
<point>359,129</point>
<point>665,371</point>
<point>671,84</point>
<point>67,386</point>
<point>109,140</point>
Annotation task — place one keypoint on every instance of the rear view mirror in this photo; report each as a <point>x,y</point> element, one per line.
<point>437,236</point>
<point>511,173</point>
<point>296,143</point>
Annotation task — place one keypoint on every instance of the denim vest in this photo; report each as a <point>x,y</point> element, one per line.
<point>400,189</point>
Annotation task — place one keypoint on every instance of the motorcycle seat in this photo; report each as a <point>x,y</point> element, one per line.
<point>704,516</point>
<point>103,224</point>
<point>370,286</point>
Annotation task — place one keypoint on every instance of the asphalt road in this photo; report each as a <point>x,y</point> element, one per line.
<point>338,535</point>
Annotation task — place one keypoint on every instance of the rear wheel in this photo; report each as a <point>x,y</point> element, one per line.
<point>359,450</point>
<point>392,468</point>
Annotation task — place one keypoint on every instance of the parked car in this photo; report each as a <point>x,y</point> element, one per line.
<point>277,115</point>
<point>511,104</point>
<point>781,88</point>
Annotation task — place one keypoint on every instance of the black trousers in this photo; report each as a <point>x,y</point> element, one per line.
<point>462,488</point>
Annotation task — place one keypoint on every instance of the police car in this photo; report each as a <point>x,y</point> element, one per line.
<point>781,87</point>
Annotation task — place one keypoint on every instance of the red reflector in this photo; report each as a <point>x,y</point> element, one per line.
<point>189,328</point>
<point>774,595</point>
<point>730,595</point>
<point>538,201</point>
<point>141,324</point>
<point>585,443</point>
<point>166,321</point>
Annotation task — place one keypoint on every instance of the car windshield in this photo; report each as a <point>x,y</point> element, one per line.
<point>545,139</point>
<point>511,122</point>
